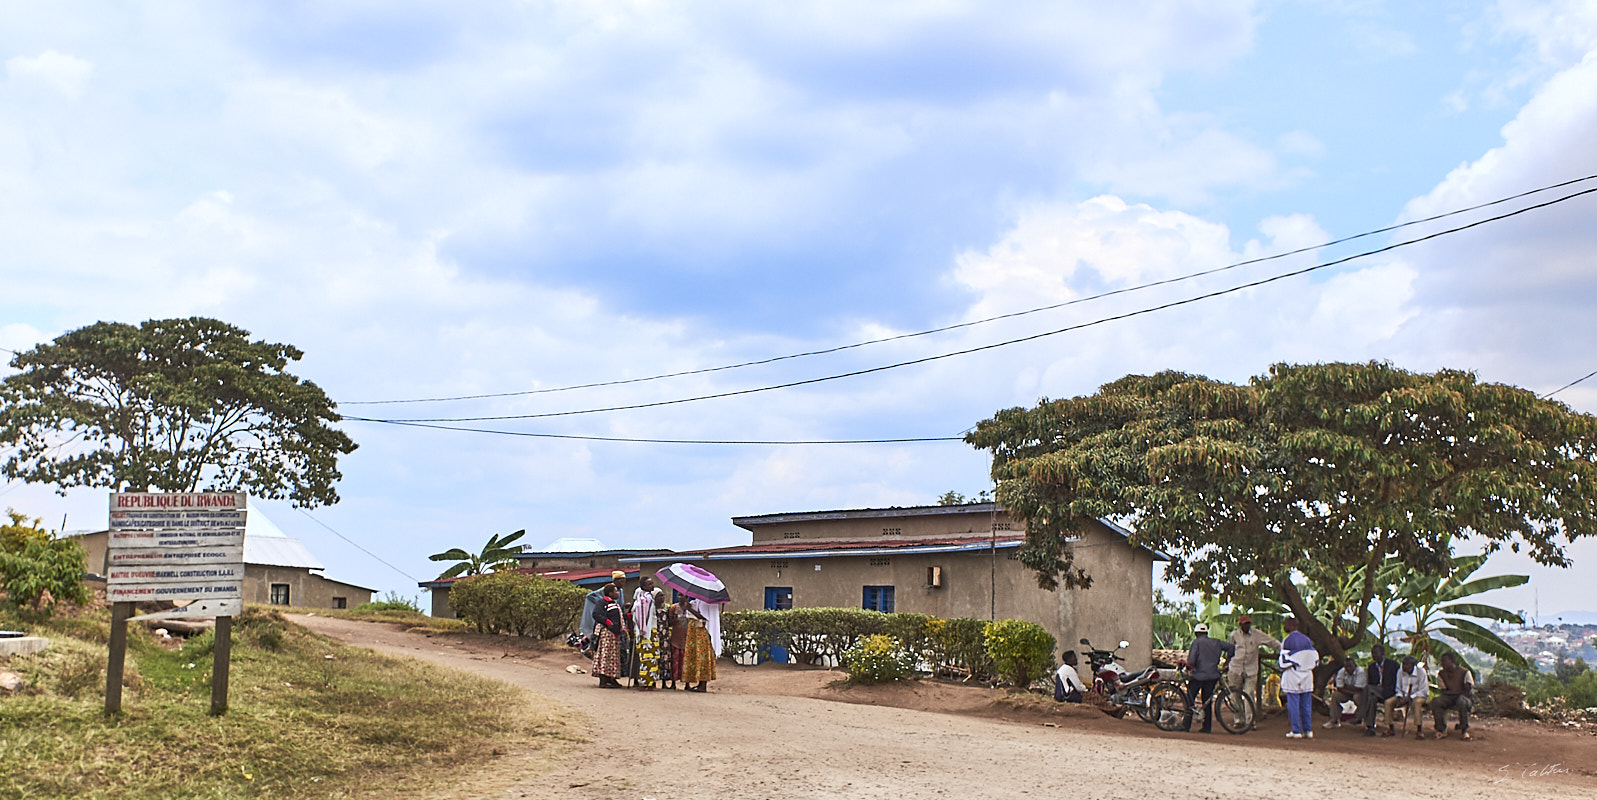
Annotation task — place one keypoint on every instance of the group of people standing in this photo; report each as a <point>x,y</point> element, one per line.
<point>649,641</point>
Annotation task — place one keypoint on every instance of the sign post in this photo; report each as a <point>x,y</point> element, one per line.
<point>185,547</point>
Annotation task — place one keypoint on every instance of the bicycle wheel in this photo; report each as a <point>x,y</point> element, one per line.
<point>1234,711</point>
<point>1170,709</point>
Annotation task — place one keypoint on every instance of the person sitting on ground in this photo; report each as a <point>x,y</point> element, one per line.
<point>1413,689</point>
<point>1068,687</point>
<point>1458,691</point>
<point>1380,682</point>
<point>1204,659</point>
<point>1347,686</point>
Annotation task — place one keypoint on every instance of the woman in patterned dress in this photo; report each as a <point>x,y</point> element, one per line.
<point>698,663</point>
<point>648,613</point>
<point>607,661</point>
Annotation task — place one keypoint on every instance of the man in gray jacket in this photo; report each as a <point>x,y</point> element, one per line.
<point>1203,658</point>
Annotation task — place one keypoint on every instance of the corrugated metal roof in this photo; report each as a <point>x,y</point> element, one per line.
<point>843,547</point>
<point>278,551</point>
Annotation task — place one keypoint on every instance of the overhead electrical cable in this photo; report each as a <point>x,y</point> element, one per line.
<point>356,545</point>
<point>1570,384</point>
<point>1007,342</point>
<point>985,320</point>
<point>914,440</point>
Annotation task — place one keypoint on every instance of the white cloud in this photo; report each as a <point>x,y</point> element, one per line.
<point>1513,298</point>
<point>63,73</point>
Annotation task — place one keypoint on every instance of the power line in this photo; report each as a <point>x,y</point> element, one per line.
<point>985,320</point>
<point>353,544</point>
<point>658,441</point>
<point>1567,385</point>
<point>1006,343</point>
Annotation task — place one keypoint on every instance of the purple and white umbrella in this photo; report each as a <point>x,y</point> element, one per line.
<point>694,582</point>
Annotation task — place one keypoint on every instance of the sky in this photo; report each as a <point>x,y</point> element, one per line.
<point>439,200</point>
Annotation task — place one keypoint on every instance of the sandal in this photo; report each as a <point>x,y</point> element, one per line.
<point>1464,736</point>
<point>1442,734</point>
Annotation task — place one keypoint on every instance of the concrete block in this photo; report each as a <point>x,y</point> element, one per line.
<point>23,645</point>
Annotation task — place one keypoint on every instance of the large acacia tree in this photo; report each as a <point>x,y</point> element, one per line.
<point>1306,470</point>
<point>170,405</point>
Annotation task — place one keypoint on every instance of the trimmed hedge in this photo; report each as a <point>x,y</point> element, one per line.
<point>519,603</point>
<point>957,646</point>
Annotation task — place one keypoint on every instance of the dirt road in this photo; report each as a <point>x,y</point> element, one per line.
<point>780,732</point>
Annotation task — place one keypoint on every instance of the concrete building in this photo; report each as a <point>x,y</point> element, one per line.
<point>946,561</point>
<point>278,570</point>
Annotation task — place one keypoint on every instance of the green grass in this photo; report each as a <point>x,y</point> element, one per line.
<point>307,718</point>
<point>411,620</point>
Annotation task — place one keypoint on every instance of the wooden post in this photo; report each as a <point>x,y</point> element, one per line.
<point>220,658</point>
<point>113,663</point>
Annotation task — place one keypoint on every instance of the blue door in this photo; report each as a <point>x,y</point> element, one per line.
<point>777,598</point>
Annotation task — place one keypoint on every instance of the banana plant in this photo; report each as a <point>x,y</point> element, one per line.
<point>495,555</point>
<point>1441,603</point>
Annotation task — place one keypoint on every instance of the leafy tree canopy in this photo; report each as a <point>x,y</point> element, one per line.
<point>1305,469</point>
<point>170,405</point>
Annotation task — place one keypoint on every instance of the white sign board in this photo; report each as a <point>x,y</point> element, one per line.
<point>191,590</point>
<point>177,510</point>
<point>125,539</point>
<point>169,556</point>
<point>186,547</point>
<point>199,608</point>
<point>179,574</point>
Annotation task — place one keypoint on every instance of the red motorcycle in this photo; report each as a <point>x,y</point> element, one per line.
<point>1123,689</point>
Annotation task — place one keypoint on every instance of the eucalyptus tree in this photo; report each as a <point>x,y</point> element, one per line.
<point>170,405</point>
<point>1308,468</point>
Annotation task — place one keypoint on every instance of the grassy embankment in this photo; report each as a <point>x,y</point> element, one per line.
<point>307,718</point>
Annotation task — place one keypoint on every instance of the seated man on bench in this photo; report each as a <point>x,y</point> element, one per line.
<point>1413,689</point>
<point>1458,692</point>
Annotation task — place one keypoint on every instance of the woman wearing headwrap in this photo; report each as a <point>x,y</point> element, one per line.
<point>609,629</point>
<point>648,614</point>
<point>704,642</point>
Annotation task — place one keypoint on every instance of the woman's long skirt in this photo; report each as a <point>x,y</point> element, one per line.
<point>698,662</point>
<point>607,662</point>
<point>650,648</point>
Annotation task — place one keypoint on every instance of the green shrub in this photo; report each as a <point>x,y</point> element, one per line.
<point>517,602</point>
<point>878,658</point>
<point>1021,651</point>
<point>36,571</point>
<point>393,601</point>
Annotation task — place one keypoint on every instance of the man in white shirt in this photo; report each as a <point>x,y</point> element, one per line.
<point>1068,687</point>
<point>1413,689</point>
<point>1347,685</point>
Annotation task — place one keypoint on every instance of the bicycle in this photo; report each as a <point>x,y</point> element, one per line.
<point>1233,710</point>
